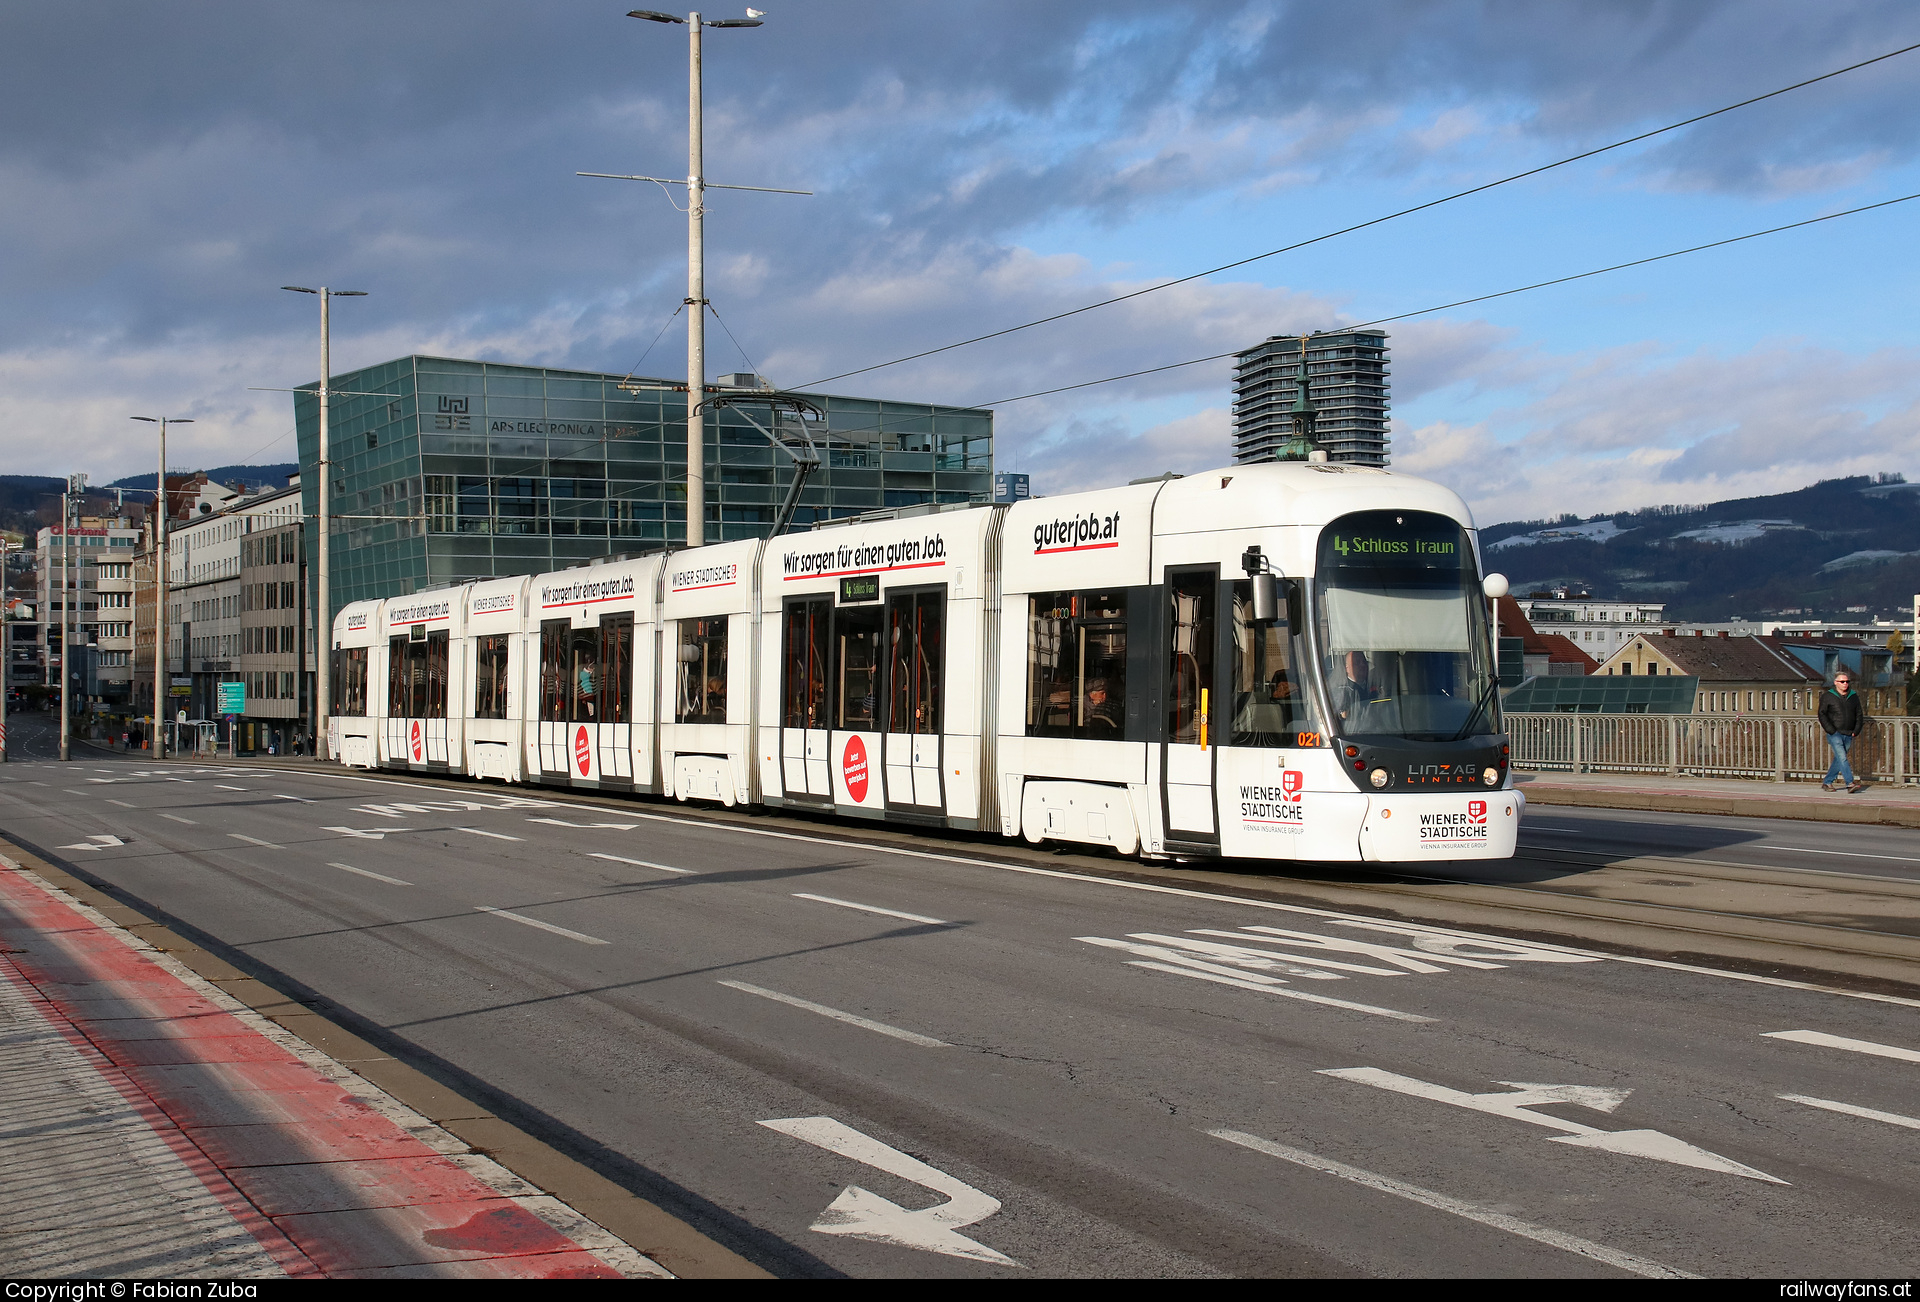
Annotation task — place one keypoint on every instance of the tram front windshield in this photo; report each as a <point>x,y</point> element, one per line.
<point>1402,628</point>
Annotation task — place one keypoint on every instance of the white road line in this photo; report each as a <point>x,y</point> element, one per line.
<point>378,877</point>
<point>1825,1041</point>
<point>123,804</point>
<point>1453,1206</point>
<point>872,908</point>
<point>254,840</point>
<point>498,836</point>
<point>642,863</point>
<point>302,799</point>
<point>1844,854</point>
<point>1855,1110</point>
<point>911,1037</point>
<point>1555,831</point>
<point>224,787</point>
<point>1394,1013</point>
<point>544,926</point>
<point>176,818</point>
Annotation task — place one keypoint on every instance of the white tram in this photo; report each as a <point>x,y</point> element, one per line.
<point>1281,661</point>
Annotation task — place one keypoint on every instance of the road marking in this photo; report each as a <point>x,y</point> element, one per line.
<point>642,863</point>
<point>1845,854</point>
<point>221,786</point>
<point>123,804</point>
<point>544,926</point>
<point>95,841</point>
<point>254,840</point>
<point>858,1214</point>
<point>872,908</point>
<point>1517,1105</point>
<point>1826,1041</point>
<point>561,822</point>
<point>1440,1202</point>
<point>1154,888</point>
<point>911,1037</point>
<point>498,836</point>
<point>1267,986</point>
<point>378,877</point>
<point>1855,1110</point>
<point>176,818</point>
<point>70,791</point>
<point>367,833</point>
<point>302,799</point>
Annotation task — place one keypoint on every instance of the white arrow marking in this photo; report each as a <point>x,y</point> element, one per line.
<point>859,1214</point>
<point>367,833</point>
<point>1515,1106</point>
<point>95,842</point>
<point>561,822</point>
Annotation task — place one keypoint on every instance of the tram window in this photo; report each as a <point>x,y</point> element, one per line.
<point>350,682</point>
<point>804,680</point>
<point>915,625</point>
<point>1077,665</point>
<point>856,637</point>
<point>702,697</point>
<point>616,669</point>
<point>1190,666</point>
<point>1270,693</point>
<point>417,677</point>
<point>490,677</point>
<point>556,693</point>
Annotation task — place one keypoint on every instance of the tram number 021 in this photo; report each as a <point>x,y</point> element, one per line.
<point>1307,739</point>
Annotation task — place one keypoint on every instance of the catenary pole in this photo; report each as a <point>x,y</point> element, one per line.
<point>158,737</point>
<point>696,297</point>
<point>66,609</point>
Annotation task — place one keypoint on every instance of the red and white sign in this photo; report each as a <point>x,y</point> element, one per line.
<point>582,750</point>
<point>1476,811</point>
<point>419,749</point>
<point>1290,784</point>
<point>853,766</point>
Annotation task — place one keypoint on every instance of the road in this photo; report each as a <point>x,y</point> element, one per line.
<point>912,1058</point>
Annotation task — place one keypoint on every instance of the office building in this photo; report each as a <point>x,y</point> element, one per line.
<point>1347,381</point>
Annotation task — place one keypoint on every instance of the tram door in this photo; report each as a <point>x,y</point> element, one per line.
<point>858,658</point>
<point>1188,762</point>
<point>916,633</point>
<point>804,720</point>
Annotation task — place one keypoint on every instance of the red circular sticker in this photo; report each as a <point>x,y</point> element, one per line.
<point>582,751</point>
<point>853,765</point>
<point>419,752</point>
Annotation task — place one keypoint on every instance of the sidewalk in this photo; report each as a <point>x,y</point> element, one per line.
<point>152,1125</point>
<point>1884,804</point>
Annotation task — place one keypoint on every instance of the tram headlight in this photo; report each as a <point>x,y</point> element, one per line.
<point>1490,775</point>
<point>1379,778</point>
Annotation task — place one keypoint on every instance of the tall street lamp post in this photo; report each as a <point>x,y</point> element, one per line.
<point>69,597</point>
<point>323,616</point>
<point>157,733</point>
<point>696,300</point>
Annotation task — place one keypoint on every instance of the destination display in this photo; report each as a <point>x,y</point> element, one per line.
<point>856,588</point>
<point>1395,540</point>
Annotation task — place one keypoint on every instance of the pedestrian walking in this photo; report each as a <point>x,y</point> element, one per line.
<point>1842,717</point>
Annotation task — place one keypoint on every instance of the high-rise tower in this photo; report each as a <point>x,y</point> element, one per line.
<point>1347,380</point>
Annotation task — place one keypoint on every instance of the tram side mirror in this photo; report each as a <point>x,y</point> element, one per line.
<point>1266,598</point>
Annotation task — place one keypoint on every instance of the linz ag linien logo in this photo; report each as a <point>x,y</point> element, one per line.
<point>1436,775</point>
<point>453,414</point>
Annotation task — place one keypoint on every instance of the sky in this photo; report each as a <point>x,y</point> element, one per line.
<point>165,168</point>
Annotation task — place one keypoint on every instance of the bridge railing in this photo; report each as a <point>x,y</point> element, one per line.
<point>1758,747</point>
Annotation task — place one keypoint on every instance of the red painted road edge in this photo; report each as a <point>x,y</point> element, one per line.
<point>327,1183</point>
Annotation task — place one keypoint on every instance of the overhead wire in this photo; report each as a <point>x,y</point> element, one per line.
<point>1376,221</point>
<point>1479,298</point>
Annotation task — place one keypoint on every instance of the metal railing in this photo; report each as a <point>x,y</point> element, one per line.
<point>1776,749</point>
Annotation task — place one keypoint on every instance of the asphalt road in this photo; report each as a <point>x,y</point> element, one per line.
<point>1034,1071</point>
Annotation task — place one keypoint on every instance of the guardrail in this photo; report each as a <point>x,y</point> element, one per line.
<point>1761,748</point>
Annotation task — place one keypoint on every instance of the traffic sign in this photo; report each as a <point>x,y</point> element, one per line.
<point>231,698</point>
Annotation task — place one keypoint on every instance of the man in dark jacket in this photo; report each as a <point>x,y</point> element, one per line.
<point>1842,716</point>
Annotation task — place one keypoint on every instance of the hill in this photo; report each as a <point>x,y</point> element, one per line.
<point>28,502</point>
<point>1840,547</point>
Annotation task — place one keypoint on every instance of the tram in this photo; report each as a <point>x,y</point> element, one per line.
<point>1280,661</point>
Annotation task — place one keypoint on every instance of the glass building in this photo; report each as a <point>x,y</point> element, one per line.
<point>448,470</point>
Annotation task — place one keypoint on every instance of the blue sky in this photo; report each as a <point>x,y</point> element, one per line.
<point>164,169</point>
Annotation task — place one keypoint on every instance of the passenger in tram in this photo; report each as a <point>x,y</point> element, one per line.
<point>1102,712</point>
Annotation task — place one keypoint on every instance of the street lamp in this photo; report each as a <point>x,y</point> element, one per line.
<point>696,301</point>
<point>160,585</point>
<point>323,624</point>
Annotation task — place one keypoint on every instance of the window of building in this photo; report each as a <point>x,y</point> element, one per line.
<point>1077,665</point>
<point>702,694</point>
